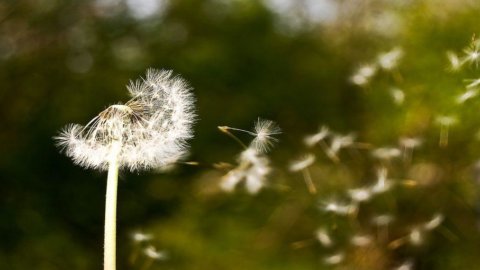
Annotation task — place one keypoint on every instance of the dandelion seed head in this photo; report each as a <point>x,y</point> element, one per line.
<point>473,84</point>
<point>341,141</point>
<point>152,127</point>
<point>382,184</point>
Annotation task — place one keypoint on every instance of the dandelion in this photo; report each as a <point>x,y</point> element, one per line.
<point>445,122</point>
<point>148,131</point>
<point>302,165</point>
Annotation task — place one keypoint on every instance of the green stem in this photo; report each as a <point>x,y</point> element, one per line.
<point>109,259</point>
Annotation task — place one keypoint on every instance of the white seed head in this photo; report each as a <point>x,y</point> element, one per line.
<point>416,236</point>
<point>382,220</point>
<point>409,142</point>
<point>341,141</point>
<point>454,60</point>
<point>382,184</point>
<point>152,127</point>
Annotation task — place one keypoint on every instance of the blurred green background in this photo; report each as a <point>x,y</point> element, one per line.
<point>287,60</point>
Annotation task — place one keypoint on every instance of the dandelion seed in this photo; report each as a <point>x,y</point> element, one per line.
<point>334,258</point>
<point>324,238</point>
<point>313,139</point>
<point>141,237</point>
<point>382,184</point>
<point>433,223</point>
<point>408,144</point>
<point>265,130</point>
<point>361,240</point>
<point>445,122</point>
<point>148,131</point>
<point>383,221</point>
<point>253,167</point>
<point>386,153</point>
<point>363,75</point>
<point>398,96</point>
<point>472,53</point>
<point>390,59</point>
<point>454,60</point>
<point>155,254</point>
<point>408,265</point>
<point>360,194</point>
<point>152,255</point>
<point>469,94</point>
<point>302,164</point>
<point>339,208</point>
<point>416,236</point>
<point>338,142</point>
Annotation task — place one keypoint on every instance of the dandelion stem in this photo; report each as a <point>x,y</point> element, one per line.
<point>308,181</point>
<point>109,260</point>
